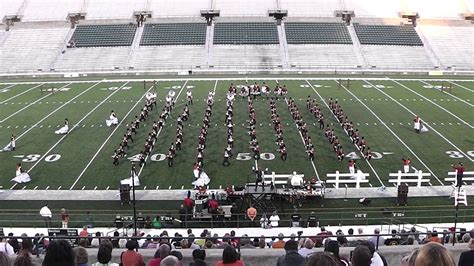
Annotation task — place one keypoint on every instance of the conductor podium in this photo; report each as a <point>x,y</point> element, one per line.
<point>402,198</point>
<point>124,194</point>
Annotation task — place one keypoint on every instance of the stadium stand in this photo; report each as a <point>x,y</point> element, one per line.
<point>103,35</point>
<point>387,35</point>
<point>317,33</point>
<point>13,7</point>
<point>436,9</point>
<point>93,58</point>
<point>310,8</point>
<point>31,49</point>
<point>113,9</point>
<point>44,10</point>
<point>170,57</point>
<point>451,44</point>
<point>174,34</point>
<point>177,8</point>
<point>322,55</point>
<point>375,8</point>
<point>245,33</point>
<point>395,56</point>
<point>244,7</point>
<point>246,56</point>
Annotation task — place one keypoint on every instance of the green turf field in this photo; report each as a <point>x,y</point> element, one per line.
<point>382,110</point>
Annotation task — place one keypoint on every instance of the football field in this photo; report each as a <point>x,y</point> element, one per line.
<point>382,109</point>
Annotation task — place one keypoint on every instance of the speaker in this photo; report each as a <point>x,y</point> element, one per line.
<point>402,198</point>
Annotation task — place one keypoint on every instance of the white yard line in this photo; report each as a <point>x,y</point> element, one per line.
<point>391,131</point>
<point>445,92</point>
<point>459,85</point>
<point>159,131</point>
<point>428,125</point>
<point>26,107</point>
<point>233,79</point>
<point>327,106</point>
<point>77,124</point>
<point>439,106</point>
<point>57,109</point>
<point>19,94</point>
<point>108,138</point>
<point>302,139</point>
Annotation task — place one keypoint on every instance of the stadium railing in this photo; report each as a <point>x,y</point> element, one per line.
<point>19,218</point>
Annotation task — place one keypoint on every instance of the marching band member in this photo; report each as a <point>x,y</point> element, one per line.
<point>113,120</point>
<point>189,96</point>
<point>20,175</point>
<point>63,130</point>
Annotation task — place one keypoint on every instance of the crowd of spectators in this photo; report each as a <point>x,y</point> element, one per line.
<point>299,250</point>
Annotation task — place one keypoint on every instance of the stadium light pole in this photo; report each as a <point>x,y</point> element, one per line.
<point>134,208</point>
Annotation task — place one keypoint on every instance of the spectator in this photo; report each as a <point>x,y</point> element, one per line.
<point>322,258</point>
<point>323,234</point>
<point>377,259</point>
<point>280,243</point>
<point>130,257</point>
<point>262,243</point>
<point>465,238</point>
<point>16,245</point>
<point>84,232</point>
<point>434,254</point>
<point>199,257</point>
<point>96,241</point>
<point>291,258</point>
<point>183,215</point>
<point>81,256</point>
<point>415,234</point>
<point>251,214</point>
<point>433,237</point>
<point>230,257</point>
<point>274,219</point>
<point>23,260</point>
<point>264,221</point>
<point>64,218</point>
<point>467,257</point>
<point>5,246</point>
<point>361,256</point>
<point>307,248</point>
<point>104,255</point>
<point>394,240</point>
<point>333,247</point>
<point>59,253</point>
<point>162,252</point>
<point>376,239</point>
<point>26,247</point>
<point>178,255</point>
<point>409,260</point>
<point>4,259</point>
<point>188,202</point>
<point>170,261</point>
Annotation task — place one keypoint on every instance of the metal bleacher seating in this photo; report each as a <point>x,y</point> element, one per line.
<point>387,35</point>
<point>174,34</point>
<point>453,45</point>
<point>104,35</point>
<point>325,56</point>
<point>245,33</point>
<point>31,49</point>
<point>396,56</point>
<point>317,33</point>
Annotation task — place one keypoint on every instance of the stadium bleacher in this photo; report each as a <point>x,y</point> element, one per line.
<point>387,35</point>
<point>31,49</point>
<point>93,58</point>
<point>322,55</point>
<point>317,33</point>
<point>170,57</point>
<point>453,45</point>
<point>113,9</point>
<point>246,56</point>
<point>41,10</point>
<point>245,33</point>
<point>104,35</point>
<point>395,56</point>
<point>174,34</point>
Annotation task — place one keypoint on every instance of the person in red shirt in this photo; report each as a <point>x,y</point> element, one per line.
<point>130,257</point>
<point>162,252</point>
<point>406,165</point>
<point>213,204</point>
<point>84,232</point>
<point>188,202</point>
<point>459,173</point>
<point>230,257</point>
